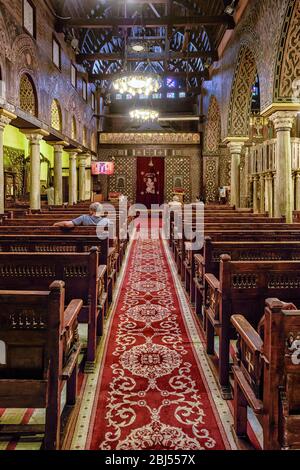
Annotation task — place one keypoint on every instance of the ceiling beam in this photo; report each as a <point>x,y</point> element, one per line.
<point>167,74</point>
<point>183,21</point>
<point>152,57</point>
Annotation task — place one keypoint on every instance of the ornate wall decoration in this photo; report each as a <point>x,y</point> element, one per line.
<point>224,169</point>
<point>56,116</point>
<point>14,160</point>
<point>28,100</point>
<point>177,166</point>
<point>240,103</point>
<point>287,79</point>
<point>124,166</point>
<point>84,136</point>
<point>213,127</point>
<point>211,180</point>
<point>144,138</point>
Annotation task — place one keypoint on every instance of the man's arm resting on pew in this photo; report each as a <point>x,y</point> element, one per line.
<point>65,223</point>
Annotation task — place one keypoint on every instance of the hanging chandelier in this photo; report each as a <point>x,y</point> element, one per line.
<point>138,84</point>
<point>144,115</point>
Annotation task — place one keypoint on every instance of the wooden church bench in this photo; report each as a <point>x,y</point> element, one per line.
<point>40,349</point>
<point>242,287</point>
<point>267,375</point>
<point>209,261</point>
<point>83,277</point>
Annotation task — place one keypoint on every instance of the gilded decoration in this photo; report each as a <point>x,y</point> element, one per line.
<point>160,138</point>
<point>177,168</point>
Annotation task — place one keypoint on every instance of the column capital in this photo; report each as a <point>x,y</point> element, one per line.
<point>235,147</point>
<point>82,158</point>
<point>6,117</point>
<point>283,120</point>
<point>35,135</point>
<point>74,151</point>
<point>59,146</point>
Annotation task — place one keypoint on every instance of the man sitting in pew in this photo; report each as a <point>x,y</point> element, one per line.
<point>93,218</point>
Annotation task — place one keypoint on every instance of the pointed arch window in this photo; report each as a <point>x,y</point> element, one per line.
<point>27,95</point>
<point>56,116</point>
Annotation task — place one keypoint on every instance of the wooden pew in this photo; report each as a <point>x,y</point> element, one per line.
<point>267,375</point>
<point>209,261</point>
<point>40,349</point>
<point>242,287</point>
<point>83,277</point>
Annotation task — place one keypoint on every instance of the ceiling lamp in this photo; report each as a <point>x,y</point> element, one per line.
<point>144,115</point>
<point>136,47</point>
<point>138,84</point>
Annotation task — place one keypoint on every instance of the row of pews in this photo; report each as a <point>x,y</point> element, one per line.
<point>245,285</point>
<point>51,281</point>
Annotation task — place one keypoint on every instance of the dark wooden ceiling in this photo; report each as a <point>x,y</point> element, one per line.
<point>183,36</point>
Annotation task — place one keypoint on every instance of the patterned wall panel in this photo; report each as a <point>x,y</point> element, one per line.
<point>213,127</point>
<point>224,168</point>
<point>124,178</point>
<point>211,180</point>
<point>287,79</point>
<point>177,166</point>
<point>240,104</point>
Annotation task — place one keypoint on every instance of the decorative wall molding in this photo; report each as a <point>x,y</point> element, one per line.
<point>146,138</point>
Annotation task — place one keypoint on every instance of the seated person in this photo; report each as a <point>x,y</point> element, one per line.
<point>93,218</point>
<point>175,203</point>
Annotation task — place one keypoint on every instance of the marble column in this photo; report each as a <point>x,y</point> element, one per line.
<point>284,194</point>
<point>262,194</point>
<point>5,118</point>
<point>35,136</point>
<point>255,194</point>
<point>58,181</point>
<point>297,190</point>
<point>73,175</point>
<point>82,166</point>
<point>235,152</point>
<point>269,193</point>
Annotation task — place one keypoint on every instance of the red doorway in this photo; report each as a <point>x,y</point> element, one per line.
<point>150,181</point>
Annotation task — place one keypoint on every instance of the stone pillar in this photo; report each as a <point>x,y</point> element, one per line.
<point>73,175</point>
<point>58,181</point>
<point>5,118</point>
<point>262,194</point>
<point>35,136</point>
<point>284,195</point>
<point>82,165</point>
<point>255,194</point>
<point>235,148</point>
<point>269,193</point>
<point>297,190</point>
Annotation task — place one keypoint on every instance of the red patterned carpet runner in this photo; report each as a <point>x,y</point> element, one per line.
<point>150,392</point>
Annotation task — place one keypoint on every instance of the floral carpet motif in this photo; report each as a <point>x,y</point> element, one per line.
<point>150,392</point>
